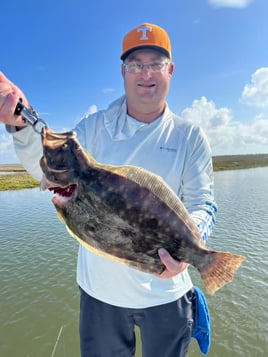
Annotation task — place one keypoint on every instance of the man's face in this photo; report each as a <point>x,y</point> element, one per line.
<point>146,90</point>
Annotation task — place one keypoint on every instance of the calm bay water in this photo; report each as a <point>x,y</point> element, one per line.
<point>40,300</point>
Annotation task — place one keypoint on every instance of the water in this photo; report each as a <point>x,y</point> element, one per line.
<point>40,300</point>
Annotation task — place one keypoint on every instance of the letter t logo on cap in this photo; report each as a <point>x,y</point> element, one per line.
<point>143,31</point>
<point>146,36</point>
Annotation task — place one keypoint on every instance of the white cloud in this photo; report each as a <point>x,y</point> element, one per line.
<point>227,136</point>
<point>205,114</point>
<point>91,110</point>
<point>230,3</point>
<point>108,90</point>
<point>256,93</point>
<point>7,152</point>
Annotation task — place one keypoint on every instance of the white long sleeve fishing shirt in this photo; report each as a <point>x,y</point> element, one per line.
<point>169,147</point>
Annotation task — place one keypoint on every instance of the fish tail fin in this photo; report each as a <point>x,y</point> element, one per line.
<point>219,270</point>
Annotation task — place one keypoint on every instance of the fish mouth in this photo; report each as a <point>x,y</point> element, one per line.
<point>62,193</point>
<point>66,191</point>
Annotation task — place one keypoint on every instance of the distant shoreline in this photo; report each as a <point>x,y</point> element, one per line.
<point>15,177</point>
<point>238,162</point>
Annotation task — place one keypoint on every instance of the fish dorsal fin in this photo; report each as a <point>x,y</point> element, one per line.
<point>152,182</point>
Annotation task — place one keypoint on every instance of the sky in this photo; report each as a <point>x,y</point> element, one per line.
<point>65,56</point>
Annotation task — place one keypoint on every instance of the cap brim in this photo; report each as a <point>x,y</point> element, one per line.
<point>159,49</point>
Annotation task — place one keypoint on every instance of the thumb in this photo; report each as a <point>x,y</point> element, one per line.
<point>170,263</point>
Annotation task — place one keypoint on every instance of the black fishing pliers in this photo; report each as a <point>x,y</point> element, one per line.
<point>30,117</point>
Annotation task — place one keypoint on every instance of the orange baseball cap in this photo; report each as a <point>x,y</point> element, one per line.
<point>146,36</point>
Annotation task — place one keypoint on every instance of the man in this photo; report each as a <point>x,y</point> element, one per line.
<point>137,129</point>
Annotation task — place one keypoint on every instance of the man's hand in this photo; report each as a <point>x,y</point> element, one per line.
<point>9,97</point>
<point>173,267</point>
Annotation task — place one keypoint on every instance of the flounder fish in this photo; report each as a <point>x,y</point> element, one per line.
<point>126,213</point>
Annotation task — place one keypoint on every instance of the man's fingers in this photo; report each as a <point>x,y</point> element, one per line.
<point>9,97</point>
<point>5,89</point>
<point>170,263</point>
<point>7,109</point>
<point>173,267</point>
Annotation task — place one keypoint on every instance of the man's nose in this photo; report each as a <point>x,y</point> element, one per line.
<point>146,71</point>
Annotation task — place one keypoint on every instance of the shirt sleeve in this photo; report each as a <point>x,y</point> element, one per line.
<point>28,147</point>
<point>197,189</point>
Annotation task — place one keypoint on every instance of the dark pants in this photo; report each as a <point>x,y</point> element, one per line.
<point>108,331</point>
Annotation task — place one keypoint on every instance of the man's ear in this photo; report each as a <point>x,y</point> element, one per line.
<point>123,70</point>
<point>171,68</point>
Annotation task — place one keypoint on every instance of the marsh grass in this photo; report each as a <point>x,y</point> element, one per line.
<point>238,162</point>
<point>17,181</point>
